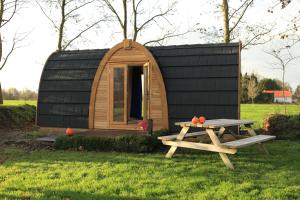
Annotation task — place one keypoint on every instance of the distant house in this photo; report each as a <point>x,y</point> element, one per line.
<point>280,96</point>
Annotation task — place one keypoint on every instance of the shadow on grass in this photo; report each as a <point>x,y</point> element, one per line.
<point>198,172</point>
<point>64,195</point>
<point>281,153</point>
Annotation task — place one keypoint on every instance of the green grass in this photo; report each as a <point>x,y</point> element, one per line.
<point>91,175</point>
<point>259,112</point>
<point>19,102</point>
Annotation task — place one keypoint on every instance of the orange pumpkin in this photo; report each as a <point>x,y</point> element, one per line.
<point>195,120</point>
<point>202,119</point>
<point>69,132</point>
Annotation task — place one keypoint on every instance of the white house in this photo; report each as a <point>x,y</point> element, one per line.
<point>281,96</point>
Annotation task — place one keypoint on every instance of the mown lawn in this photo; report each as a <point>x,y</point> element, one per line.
<point>19,102</point>
<point>91,175</point>
<point>259,112</point>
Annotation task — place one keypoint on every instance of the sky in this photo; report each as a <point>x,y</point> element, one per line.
<point>24,68</point>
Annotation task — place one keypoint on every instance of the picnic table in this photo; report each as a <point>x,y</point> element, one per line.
<point>215,130</point>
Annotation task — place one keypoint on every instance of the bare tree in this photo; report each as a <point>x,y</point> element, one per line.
<point>292,24</point>
<point>236,27</point>
<point>8,10</point>
<point>252,89</point>
<point>69,11</point>
<point>142,19</point>
<point>283,57</point>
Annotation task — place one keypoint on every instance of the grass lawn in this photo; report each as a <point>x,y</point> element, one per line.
<point>19,102</point>
<point>91,175</point>
<point>259,112</point>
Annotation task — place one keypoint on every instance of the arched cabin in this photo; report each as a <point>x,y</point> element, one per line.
<point>115,88</point>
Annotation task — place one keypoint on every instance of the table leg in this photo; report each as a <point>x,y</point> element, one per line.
<point>221,132</point>
<point>215,140</point>
<point>180,137</point>
<point>261,145</point>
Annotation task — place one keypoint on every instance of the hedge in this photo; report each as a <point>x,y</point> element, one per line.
<point>17,116</point>
<point>283,126</point>
<point>126,143</point>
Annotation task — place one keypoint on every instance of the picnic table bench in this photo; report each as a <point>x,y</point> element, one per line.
<point>215,130</point>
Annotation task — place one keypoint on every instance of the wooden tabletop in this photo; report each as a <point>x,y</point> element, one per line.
<point>216,123</point>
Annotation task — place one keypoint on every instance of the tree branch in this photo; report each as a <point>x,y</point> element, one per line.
<point>156,16</point>
<point>241,16</point>
<point>82,32</point>
<point>15,46</point>
<point>164,37</point>
<point>46,15</point>
<point>78,7</point>
<point>112,9</point>
<point>4,22</point>
<point>237,10</point>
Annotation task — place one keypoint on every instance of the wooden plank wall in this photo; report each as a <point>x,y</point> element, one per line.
<point>102,101</point>
<point>132,55</point>
<point>156,103</point>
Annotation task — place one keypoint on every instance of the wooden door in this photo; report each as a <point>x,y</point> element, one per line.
<point>146,89</point>
<point>118,94</point>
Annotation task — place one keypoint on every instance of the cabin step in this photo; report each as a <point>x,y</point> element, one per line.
<point>248,141</point>
<point>173,137</point>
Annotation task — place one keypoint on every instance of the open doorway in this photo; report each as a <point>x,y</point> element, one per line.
<point>135,93</point>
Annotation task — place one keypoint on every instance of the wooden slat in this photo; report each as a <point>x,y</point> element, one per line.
<point>216,123</point>
<point>173,137</point>
<point>248,141</point>
<point>199,146</point>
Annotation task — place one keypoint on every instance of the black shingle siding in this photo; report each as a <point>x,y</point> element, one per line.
<point>199,80</point>
<point>65,88</point>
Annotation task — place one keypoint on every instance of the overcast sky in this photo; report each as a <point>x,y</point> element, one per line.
<point>24,68</point>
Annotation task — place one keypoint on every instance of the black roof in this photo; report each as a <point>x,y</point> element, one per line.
<point>200,79</point>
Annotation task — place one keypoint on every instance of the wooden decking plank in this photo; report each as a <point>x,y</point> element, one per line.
<point>248,141</point>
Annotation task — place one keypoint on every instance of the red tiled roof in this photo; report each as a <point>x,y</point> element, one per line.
<point>279,93</point>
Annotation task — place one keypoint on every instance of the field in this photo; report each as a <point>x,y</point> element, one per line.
<point>89,175</point>
<point>259,112</point>
<point>18,102</point>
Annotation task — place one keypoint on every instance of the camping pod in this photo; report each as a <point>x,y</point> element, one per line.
<point>116,88</point>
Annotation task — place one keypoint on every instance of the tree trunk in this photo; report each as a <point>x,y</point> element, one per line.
<point>283,84</point>
<point>0,48</point>
<point>1,98</point>
<point>1,19</point>
<point>125,19</point>
<point>135,29</point>
<point>62,25</point>
<point>1,16</point>
<point>226,21</point>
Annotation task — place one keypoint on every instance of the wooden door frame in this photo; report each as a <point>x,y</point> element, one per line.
<point>146,95</point>
<point>111,93</point>
<point>104,63</point>
<point>147,90</point>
